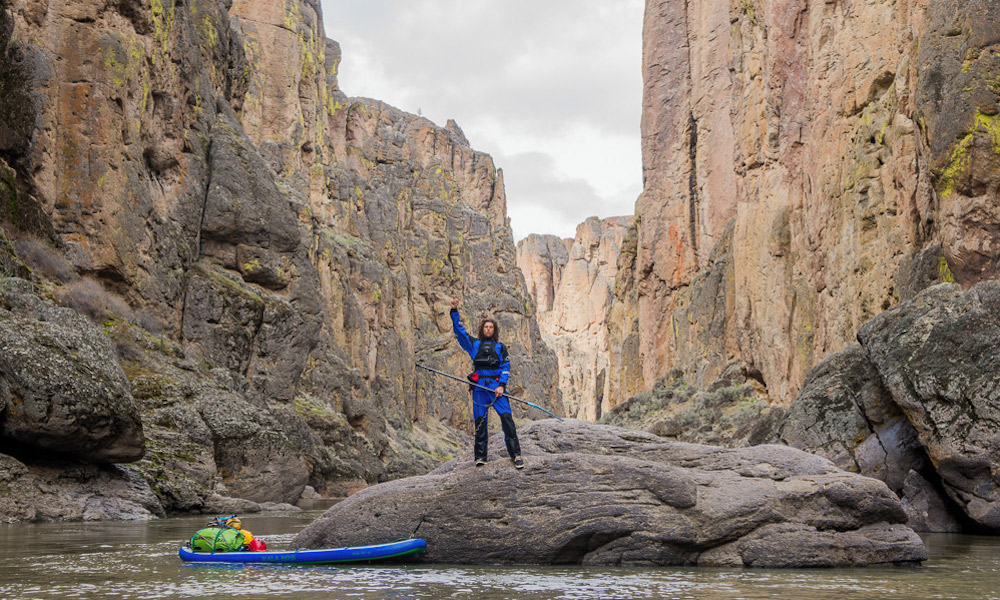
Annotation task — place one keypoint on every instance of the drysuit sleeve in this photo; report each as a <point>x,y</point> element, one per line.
<point>504,366</point>
<point>460,333</point>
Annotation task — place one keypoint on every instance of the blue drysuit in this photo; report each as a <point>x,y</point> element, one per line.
<point>492,365</point>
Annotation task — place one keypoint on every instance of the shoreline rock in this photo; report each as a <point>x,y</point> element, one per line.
<point>603,495</point>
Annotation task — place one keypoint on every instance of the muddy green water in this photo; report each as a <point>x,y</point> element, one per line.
<point>139,560</point>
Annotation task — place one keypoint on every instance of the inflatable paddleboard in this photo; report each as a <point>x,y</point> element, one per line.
<point>311,557</point>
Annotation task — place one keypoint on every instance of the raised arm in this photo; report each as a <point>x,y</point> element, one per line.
<point>460,333</point>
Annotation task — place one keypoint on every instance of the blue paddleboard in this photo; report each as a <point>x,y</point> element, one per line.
<point>311,557</point>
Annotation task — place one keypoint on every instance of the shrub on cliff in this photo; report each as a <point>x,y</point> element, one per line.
<point>44,259</point>
<point>729,413</point>
<point>90,298</point>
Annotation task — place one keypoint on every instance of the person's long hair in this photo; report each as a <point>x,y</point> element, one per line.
<point>496,331</point>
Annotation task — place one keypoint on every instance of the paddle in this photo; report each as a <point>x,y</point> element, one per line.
<point>483,387</point>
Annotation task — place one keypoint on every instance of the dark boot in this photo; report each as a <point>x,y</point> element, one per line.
<point>510,435</point>
<point>482,438</point>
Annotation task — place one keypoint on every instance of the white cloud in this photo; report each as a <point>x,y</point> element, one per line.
<point>552,90</point>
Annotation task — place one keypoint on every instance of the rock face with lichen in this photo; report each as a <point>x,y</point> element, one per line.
<point>807,165</point>
<point>845,414</point>
<point>268,256</point>
<point>937,356</point>
<point>571,282</point>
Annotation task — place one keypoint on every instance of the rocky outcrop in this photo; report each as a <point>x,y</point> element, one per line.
<point>571,282</point>
<point>805,165</point>
<point>604,495</point>
<point>40,490</point>
<point>937,356</point>
<point>915,406</point>
<point>268,255</point>
<point>845,414</point>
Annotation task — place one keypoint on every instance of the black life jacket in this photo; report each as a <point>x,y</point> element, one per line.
<point>488,355</point>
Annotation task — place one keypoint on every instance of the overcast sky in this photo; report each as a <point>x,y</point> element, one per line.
<point>551,89</point>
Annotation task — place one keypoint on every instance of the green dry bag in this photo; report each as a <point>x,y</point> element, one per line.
<point>214,539</point>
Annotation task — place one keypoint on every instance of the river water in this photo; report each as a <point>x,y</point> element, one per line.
<point>139,561</point>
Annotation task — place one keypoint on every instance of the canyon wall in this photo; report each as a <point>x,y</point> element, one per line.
<point>270,256</point>
<point>571,282</point>
<point>807,164</point>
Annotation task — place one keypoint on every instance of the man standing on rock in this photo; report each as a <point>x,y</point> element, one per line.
<point>492,370</point>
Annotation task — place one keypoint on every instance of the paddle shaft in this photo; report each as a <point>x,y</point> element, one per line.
<point>483,387</point>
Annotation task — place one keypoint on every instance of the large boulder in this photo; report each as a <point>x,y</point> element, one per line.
<point>938,356</point>
<point>61,383</point>
<point>845,414</point>
<point>594,494</point>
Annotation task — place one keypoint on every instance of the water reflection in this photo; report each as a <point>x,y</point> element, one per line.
<point>139,560</point>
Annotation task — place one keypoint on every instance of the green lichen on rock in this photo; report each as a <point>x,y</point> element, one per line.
<point>354,245</point>
<point>226,283</point>
<point>163,24</point>
<point>313,410</point>
<point>146,383</point>
<point>944,271</point>
<point>251,266</point>
<point>958,165</point>
<point>971,55</point>
<point>991,125</point>
<point>121,57</point>
<point>209,33</point>
<point>961,156</point>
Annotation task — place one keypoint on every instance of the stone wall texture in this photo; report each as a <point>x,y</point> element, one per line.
<point>807,164</point>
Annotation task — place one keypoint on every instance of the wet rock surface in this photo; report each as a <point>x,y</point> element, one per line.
<point>593,494</point>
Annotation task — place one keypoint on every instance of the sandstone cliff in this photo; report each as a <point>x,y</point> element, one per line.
<point>807,165</point>
<point>571,282</point>
<point>193,168</point>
